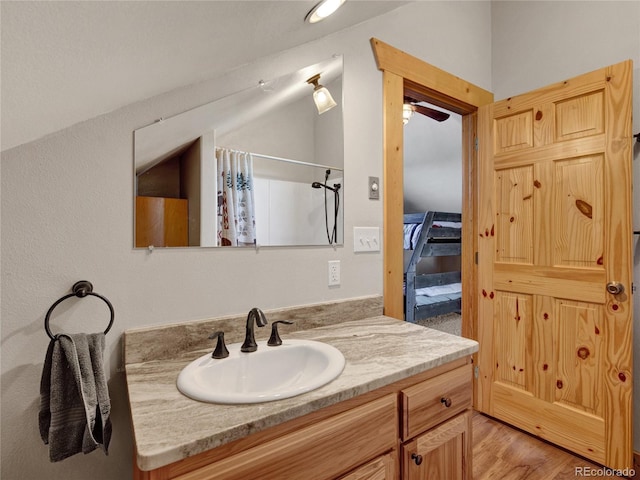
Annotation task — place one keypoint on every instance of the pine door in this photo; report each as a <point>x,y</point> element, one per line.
<point>555,257</point>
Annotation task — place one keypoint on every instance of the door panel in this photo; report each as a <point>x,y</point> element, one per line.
<point>578,325</point>
<point>554,228</point>
<point>515,214</point>
<point>513,330</point>
<point>578,216</point>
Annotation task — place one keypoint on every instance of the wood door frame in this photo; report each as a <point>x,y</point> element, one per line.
<point>405,73</point>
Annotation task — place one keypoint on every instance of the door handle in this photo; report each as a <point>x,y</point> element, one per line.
<point>615,288</point>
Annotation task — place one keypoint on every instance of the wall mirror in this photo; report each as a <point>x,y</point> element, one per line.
<point>260,167</point>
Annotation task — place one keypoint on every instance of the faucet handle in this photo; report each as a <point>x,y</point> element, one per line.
<point>274,339</point>
<point>221,349</point>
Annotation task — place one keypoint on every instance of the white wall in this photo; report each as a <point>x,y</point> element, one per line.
<point>67,215</point>
<point>287,132</point>
<point>292,213</point>
<point>433,164</point>
<point>538,43</point>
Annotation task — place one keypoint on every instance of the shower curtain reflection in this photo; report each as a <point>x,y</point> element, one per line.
<point>236,203</point>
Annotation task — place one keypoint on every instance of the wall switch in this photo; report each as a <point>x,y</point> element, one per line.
<point>374,188</point>
<point>366,239</point>
<point>334,272</point>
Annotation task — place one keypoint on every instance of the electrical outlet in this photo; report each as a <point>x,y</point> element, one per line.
<point>334,272</point>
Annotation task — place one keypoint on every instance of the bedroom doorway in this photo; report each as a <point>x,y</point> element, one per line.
<point>405,75</point>
<point>432,192</point>
<point>575,302</point>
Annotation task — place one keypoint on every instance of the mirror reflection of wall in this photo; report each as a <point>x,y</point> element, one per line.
<point>289,211</point>
<point>175,163</point>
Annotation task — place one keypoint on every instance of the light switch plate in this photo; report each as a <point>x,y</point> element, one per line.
<point>366,239</point>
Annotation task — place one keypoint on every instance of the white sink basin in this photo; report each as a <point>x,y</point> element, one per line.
<point>270,373</point>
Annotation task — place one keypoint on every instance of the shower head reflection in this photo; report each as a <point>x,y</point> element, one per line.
<point>335,188</point>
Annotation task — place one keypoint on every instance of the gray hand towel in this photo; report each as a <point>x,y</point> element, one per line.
<point>74,398</point>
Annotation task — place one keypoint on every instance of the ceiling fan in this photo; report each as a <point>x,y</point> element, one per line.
<point>411,105</point>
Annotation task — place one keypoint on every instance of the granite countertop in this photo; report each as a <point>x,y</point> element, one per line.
<point>169,426</point>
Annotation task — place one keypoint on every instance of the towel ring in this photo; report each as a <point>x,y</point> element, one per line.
<point>80,289</point>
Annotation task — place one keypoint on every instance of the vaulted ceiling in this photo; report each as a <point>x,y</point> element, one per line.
<point>66,62</point>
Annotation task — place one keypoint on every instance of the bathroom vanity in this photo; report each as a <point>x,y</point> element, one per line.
<point>400,409</point>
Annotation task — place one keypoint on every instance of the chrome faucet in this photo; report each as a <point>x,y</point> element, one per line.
<point>250,344</point>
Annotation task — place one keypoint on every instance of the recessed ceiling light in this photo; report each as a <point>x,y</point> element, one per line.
<point>322,10</point>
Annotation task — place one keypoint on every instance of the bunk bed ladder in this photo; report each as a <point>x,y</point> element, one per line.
<point>410,280</point>
<point>431,242</point>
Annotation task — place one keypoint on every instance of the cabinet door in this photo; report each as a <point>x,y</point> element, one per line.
<point>441,453</point>
<point>382,468</point>
<point>321,451</point>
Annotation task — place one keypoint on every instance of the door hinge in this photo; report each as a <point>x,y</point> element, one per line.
<point>476,371</point>
<point>476,257</point>
<point>633,288</point>
<point>476,143</point>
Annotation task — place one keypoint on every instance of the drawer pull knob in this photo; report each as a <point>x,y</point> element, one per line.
<point>416,458</point>
<point>446,401</point>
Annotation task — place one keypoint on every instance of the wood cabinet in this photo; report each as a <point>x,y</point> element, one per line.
<point>416,429</point>
<point>382,468</point>
<point>162,222</point>
<point>436,427</point>
<point>322,450</point>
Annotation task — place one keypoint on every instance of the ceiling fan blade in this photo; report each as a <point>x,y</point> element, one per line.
<point>432,113</point>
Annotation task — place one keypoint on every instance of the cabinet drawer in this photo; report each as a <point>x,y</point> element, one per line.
<point>321,451</point>
<point>425,404</point>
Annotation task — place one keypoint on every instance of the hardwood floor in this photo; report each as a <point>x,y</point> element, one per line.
<point>503,452</point>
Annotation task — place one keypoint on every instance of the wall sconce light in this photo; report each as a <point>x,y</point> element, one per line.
<point>321,96</point>
<point>407,113</point>
<point>322,10</point>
